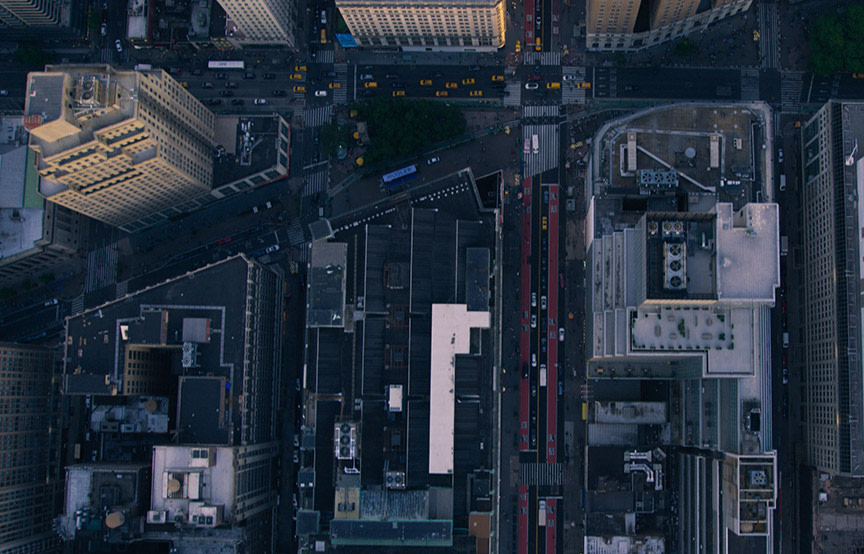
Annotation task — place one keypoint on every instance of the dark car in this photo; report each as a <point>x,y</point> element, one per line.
<point>392,76</point>
<point>207,85</point>
<point>398,84</point>
<point>280,93</point>
<point>231,84</point>
<point>227,93</point>
<point>214,101</point>
<point>221,76</point>
<point>368,92</point>
<point>330,74</point>
<point>535,77</point>
<point>630,88</point>
<point>237,102</point>
<point>248,75</point>
<point>174,71</point>
<point>196,72</point>
<point>436,75</point>
<point>498,85</point>
<point>269,75</point>
<point>474,68</point>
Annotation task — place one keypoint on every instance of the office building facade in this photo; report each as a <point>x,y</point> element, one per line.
<point>30,487</point>
<point>260,22</point>
<point>614,24</point>
<point>24,13</point>
<point>442,25</point>
<point>118,146</point>
<point>831,340</point>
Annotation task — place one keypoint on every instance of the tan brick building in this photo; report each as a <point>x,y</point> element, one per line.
<point>260,21</point>
<point>118,146</point>
<point>456,25</point>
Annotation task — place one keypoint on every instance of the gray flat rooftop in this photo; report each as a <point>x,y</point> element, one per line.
<point>326,302</point>
<point>250,147</point>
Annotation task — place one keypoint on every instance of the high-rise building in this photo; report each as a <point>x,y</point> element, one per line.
<point>118,146</point>
<point>35,235</point>
<point>635,24</point>
<point>23,13</point>
<point>31,490</point>
<point>456,25</point>
<point>831,337</point>
<point>260,21</point>
<point>683,270</point>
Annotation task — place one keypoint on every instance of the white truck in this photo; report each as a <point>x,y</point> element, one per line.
<point>784,245</point>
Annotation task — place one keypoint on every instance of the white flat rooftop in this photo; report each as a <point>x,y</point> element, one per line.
<point>748,252</point>
<point>451,333</point>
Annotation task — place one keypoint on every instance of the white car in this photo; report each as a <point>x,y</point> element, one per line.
<point>543,302</point>
<point>533,299</point>
<point>260,101</point>
<point>323,17</point>
<point>570,77</point>
<point>118,45</point>
<point>366,77</point>
<point>271,249</point>
<point>320,93</point>
<point>561,334</point>
<point>433,160</point>
<point>532,86</point>
<point>104,29</point>
<point>533,321</point>
<point>534,360</point>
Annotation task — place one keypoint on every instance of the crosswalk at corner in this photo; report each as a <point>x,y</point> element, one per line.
<point>317,116</point>
<point>316,179</point>
<point>340,95</point>
<point>570,91</point>
<point>324,56</point>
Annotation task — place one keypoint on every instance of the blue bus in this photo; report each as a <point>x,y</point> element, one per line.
<point>393,181</point>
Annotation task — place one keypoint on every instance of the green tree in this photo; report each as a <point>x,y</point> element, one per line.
<point>826,46</point>
<point>93,20</point>
<point>6,293</point>
<point>46,278</point>
<point>686,48</point>
<point>619,59</point>
<point>853,35</point>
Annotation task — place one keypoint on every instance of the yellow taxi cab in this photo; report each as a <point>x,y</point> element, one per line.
<point>398,93</point>
<point>425,82</point>
<point>545,223</point>
<point>858,75</point>
<point>299,68</point>
<point>299,88</point>
<point>323,36</point>
<point>451,85</point>
<point>184,84</point>
<point>553,85</point>
<point>441,93</point>
<point>468,81</point>
<point>537,44</point>
<point>475,93</point>
<point>518,46</point>
<point>370,84</point>
<point>335,85</point>
<point>497,78</point>
<point>296,76</point>
<point>583,85</point>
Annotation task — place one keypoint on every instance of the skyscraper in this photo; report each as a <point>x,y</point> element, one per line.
<point>22,13</point>
<point>260,21</point>
<point>118,146</point>
<point>30,488</point>
<point>832,239</point>
<point>456,25</point>
<point>636,24</point>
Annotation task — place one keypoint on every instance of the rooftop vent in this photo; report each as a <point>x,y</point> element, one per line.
<point>674,255</point>
<point>345,441</point>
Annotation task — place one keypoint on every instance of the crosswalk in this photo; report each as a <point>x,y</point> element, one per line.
<point>101,267</point>
<point>317,116</point>
<point>78,304</point>
<point>295,233</point>
<point>340,95</point>
<point>749,85</point>
<point>533,474</point>
<point>514,98</point>
<point>316,180</point>
<point>543,58</point>
<point>769,50</point>
<point>791,89</point>
<point>324,56</point>
<point>540,111</point>
<point>121,289</point>
<point>570,92</point>
<point>546,156</point>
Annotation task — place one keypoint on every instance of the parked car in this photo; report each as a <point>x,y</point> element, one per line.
<point>260,101</point>
<point>237,102</point>
<point>533,299</point>
<point>103,29</point>
<point>118,45</point>
<point>433,160</point>
<point>271,249</point>
<point>561,334</point>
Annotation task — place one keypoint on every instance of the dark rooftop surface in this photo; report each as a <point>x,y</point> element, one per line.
<point>212,303</point>
<point>327,284</point>
<point>255,142</point>
<point>200,410</point>
<point>406,261</point>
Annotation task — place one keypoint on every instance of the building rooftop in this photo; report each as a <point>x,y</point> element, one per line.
<point>327,270</point>
<point>250,145</point>
<point>748,252</point>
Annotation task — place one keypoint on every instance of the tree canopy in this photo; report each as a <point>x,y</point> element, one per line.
<point>399,127</point>
<point>838,45</point>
